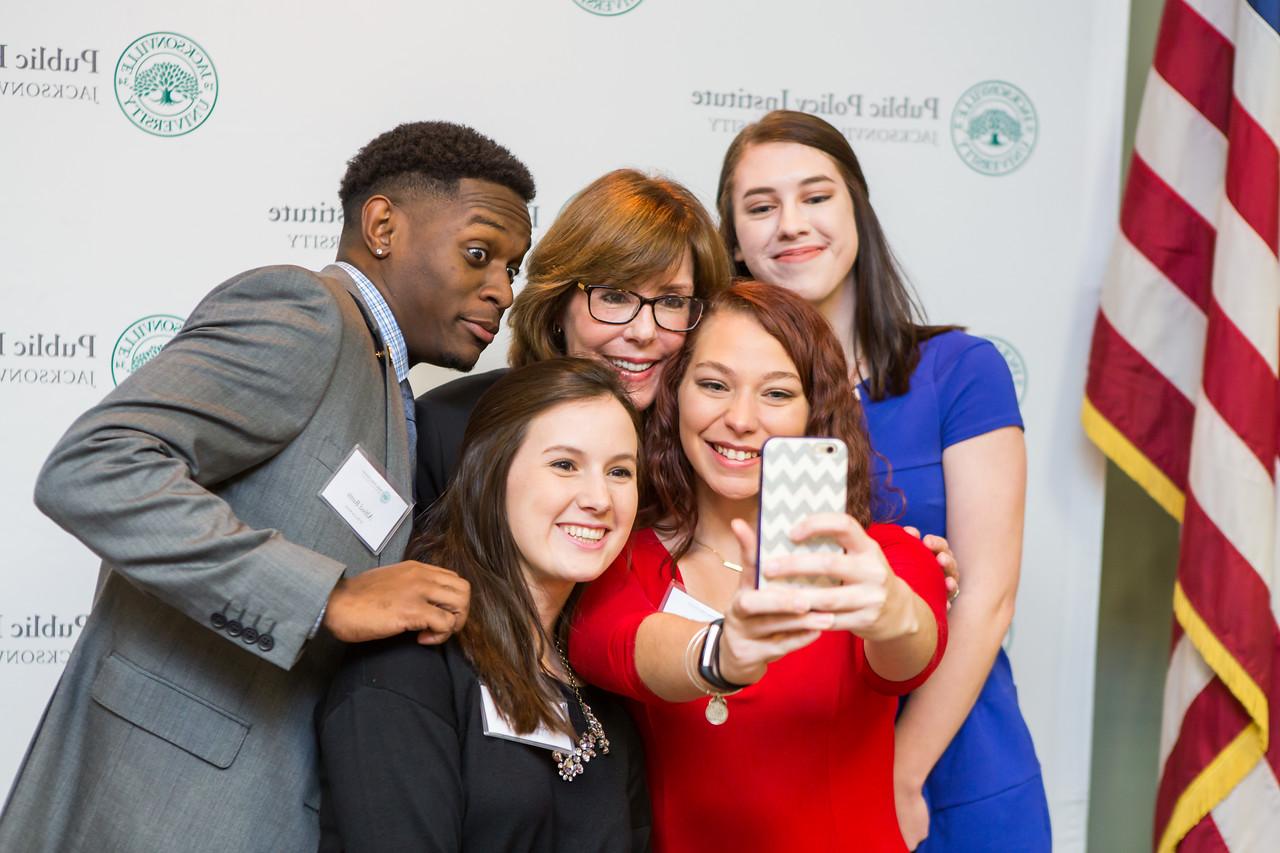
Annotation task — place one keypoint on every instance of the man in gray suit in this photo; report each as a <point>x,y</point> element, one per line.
<point>183,720</point>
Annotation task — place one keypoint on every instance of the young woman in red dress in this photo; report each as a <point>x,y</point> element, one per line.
<point>804,760</point>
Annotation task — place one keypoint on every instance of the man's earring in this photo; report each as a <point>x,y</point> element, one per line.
<point>377,252</point>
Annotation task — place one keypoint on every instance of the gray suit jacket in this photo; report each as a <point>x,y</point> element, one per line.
<point>183,720</point>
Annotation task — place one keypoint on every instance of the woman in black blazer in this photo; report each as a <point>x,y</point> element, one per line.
<point>489,741</point>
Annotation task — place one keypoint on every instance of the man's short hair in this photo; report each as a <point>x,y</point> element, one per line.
<point>428,156</point>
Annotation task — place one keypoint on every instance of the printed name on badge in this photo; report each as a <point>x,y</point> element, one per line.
<point>360,493</point>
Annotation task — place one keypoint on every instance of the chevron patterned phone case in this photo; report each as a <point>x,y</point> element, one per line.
<point>798,477</point>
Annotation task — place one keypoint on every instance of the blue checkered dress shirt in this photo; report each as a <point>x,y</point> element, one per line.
<point>393,340</point>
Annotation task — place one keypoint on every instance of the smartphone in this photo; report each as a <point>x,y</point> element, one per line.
<point>799,476</point>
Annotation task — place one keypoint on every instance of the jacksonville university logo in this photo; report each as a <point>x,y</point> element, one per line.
<point>994,127</point>
<point>139,343</point>
<point>607,8</point>
<point>166,84</point>
<point>1017,365</point>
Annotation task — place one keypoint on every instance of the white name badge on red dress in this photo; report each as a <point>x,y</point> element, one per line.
<point>679,602</point>
<point>361,494</point>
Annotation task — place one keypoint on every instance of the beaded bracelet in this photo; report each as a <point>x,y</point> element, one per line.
<point>717,709</point>
<point>709,660</point>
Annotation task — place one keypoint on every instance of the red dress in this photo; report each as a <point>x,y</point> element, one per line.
<point>805,760</point>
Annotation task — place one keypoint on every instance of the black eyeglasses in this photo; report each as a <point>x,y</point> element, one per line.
<point>617,307</point>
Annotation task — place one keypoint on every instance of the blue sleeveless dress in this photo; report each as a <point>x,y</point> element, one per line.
<point>985,792</point>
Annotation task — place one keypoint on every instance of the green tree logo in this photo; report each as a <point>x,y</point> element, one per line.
<point>168,79</point>
<point>994,127</point>
<point>997,126</point>
<point>166,84</point>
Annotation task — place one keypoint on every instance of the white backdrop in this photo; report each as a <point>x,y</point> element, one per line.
<point>115,214</point>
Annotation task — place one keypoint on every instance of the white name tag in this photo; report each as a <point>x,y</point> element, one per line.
<point>371,506</point>
<point>681,603</point>
<point>496,725</point>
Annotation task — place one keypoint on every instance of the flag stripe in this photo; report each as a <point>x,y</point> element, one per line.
<point>1231,764</point>
<point>1196,59</point>
<point>1253,177</point>
<point>1247,285</point>
<point>1212,722</point>
<point>1188,676</point>
<point>1249,817</point>
<point>1234,605</point>
<point>1257,70</point>
<point>1136,400</point>
<point>1168,232</point>
<point>1233,390</point>
<point>1221,14</point>
<point>1182,146</point>
<point>1120,450</point>
<point>1273,707</point>
<point>1230,506</point>
<point>1204,838</point>
<point>1156,319</point>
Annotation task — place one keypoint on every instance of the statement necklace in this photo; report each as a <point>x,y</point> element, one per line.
<point>726,563</point>
<point>571,765</point>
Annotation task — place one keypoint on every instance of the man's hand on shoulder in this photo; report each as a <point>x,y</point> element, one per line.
<point>408,596</point>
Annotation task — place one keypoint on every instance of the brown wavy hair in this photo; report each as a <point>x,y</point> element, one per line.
<point>468,530</point>
<point>622,229</point>
<point>670,501</point>
<point>888,321</point>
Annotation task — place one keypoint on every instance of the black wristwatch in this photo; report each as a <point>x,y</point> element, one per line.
<point>709,660</point>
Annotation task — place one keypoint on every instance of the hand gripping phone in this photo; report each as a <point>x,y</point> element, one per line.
<point>799,477</point>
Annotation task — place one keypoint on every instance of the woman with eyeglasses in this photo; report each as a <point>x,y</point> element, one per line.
<point>941,410</point>
<point>620,276</point>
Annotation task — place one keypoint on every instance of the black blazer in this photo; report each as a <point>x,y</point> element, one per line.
<point>442,415</point>
<point>406,766</point>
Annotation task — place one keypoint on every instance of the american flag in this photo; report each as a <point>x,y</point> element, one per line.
<point>1182,394</point>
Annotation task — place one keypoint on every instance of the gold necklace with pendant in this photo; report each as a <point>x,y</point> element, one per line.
<point>737,567</point>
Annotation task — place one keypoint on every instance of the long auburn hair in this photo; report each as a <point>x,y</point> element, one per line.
<point>622,229</point>
<point>468,530</point>
<point>888,321</point>
<point>671,501</point>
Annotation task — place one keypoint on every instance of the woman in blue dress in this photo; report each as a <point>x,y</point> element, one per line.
<point>942,413</point>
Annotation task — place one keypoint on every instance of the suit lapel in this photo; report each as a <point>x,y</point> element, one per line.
<point>396,458</point>
<point>338,275</point>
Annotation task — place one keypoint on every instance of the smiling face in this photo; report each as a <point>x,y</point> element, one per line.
<point>638,350</point>
<point>794,220</point>
<point>740,389</point>
<point>572,495</point>
<point>448,267</point>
